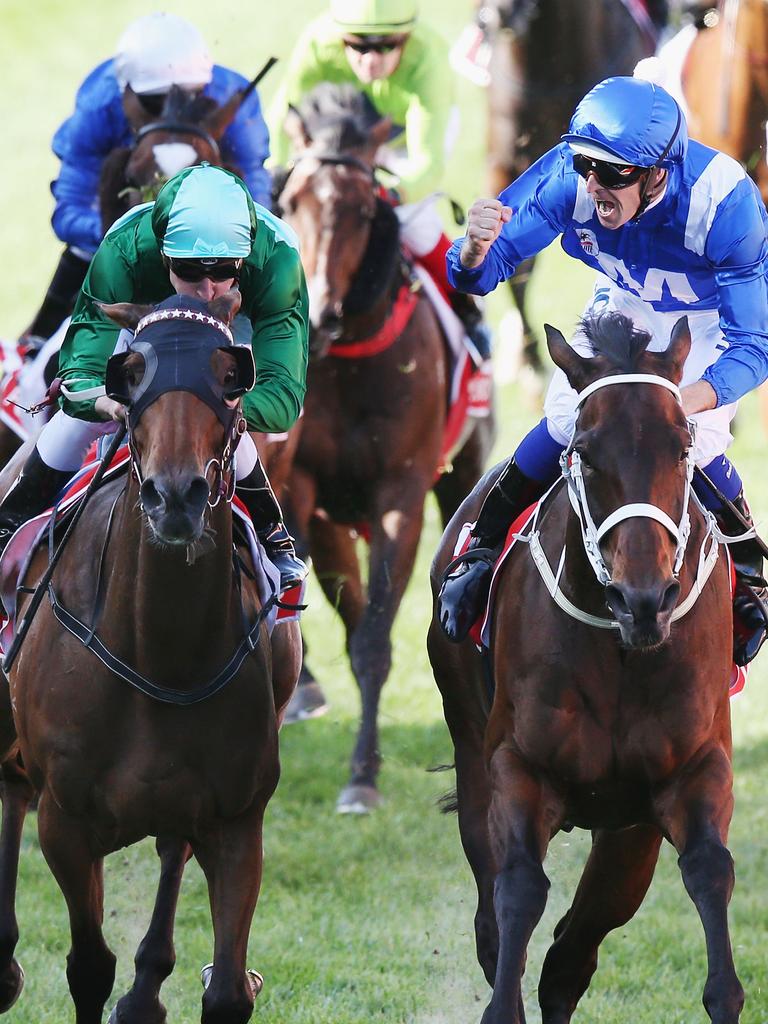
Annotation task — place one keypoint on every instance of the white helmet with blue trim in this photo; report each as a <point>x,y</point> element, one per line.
<point>161,50</point>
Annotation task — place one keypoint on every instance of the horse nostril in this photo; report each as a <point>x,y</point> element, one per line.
<point>669,598</point>
<point>198,493</point>
<point>152,501</point>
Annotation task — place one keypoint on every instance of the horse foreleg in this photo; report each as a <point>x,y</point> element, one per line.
<point>231,858</point>
<point>395,532</point>
<point>17,793</point>
<point>612,887</point>
<point>520,819</point>
<point>696,814</point>
<point>156,956</point>
<point>90,963</point>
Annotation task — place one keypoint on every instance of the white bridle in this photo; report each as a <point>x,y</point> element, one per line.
<point>570,463</point>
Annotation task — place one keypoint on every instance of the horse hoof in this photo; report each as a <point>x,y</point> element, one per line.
<point>10,992</point>
<point>308,701</point>
<point>359,800</point>
<point>253,978</point>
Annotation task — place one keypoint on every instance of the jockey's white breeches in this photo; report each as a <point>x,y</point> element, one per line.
<point>64,441</point>
<point>713,427</point>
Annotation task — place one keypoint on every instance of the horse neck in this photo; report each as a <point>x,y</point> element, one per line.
<point>361,322</point>
<point>166,598</point>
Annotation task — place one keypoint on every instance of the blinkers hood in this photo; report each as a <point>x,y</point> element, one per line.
<point>177,342</point>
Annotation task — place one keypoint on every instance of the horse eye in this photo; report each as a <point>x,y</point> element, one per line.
<point>586,464</point>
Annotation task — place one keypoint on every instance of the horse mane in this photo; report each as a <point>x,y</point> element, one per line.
<point>616,337</point>
<point>187,108</point>
<point>340,117</point>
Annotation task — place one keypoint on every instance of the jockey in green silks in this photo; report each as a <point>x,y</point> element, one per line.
<point>203,236</point>
<point>401,64</point>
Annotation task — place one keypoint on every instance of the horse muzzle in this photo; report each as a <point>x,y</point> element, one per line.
<point>644,614</point>
<point>175,507</point>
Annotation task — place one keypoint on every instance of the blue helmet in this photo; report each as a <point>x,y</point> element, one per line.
<point>629,120</point>
<point>204,212</point>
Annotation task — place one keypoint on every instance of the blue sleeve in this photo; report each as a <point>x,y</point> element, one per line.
<point>245,144</point>
<point>738,250</point>
<point>542,201</point>
<point>97,126</point>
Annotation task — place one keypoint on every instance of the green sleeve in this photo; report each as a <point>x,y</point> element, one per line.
<point>426,124</point>
<point>91,337</point>
<point>305,71</point>
<point>280,318</point>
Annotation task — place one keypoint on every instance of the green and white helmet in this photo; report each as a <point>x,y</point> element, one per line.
<point>204,212</point>
<point>374,17</point>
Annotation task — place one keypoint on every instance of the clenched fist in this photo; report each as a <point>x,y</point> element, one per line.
<point>485,220</point>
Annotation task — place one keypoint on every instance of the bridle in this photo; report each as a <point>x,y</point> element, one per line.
<point>592,535</point>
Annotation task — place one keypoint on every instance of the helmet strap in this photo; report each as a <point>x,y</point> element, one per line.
<point>645,199</point>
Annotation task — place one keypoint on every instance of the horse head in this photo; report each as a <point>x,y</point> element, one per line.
<point>181,380</point>
<point>330,198</point>
<point>629,467</point>
<point>187,131</point>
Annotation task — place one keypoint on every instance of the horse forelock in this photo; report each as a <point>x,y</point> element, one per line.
<point>338,117</point>
<point>616,338</point>
<point>187,108</point>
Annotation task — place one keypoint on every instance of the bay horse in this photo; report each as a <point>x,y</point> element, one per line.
<point>157,712</point>
<point>619,722</point>
<point>369,449</point>
<point>545,56</point>
<point>725,85</point>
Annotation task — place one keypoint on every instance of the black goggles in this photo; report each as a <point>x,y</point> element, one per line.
<point>363,45</point>
<point>152,103</point>
<point>194,271</point>
<point>613,176</point>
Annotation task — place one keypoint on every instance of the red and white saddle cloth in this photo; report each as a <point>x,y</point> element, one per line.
<point>22,384</point>
<point>481,630</point>
<point>28,538</point>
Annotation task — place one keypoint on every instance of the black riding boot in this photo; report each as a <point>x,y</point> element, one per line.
<point>32,492</point>
<point>258,497</point>
<point>60,298</point>
<point>465,587</point>
<point>750,598</point>
<point>477,330</point>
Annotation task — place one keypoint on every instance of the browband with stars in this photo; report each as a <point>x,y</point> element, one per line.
<point>184,314</point>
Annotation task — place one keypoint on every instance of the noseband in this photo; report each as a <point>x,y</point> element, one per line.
<point>592,535</point>
<point>570,464</point>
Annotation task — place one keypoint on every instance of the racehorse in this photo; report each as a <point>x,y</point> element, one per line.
<point>172,730</point>
<point>725,85</point>
<point>616,723</point>
<point>371,436</point>
<point>545,56</point>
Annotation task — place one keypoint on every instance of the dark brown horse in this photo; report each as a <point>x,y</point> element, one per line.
<point>374,416</point>
<point>546,55</point>
<point>610,708</point>
<point>178,737</point>
<point>725,84</point>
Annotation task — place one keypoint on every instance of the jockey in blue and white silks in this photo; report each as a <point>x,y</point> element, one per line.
<point>672,228</point>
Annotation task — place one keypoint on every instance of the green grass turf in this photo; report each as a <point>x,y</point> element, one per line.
<point>360,919</point>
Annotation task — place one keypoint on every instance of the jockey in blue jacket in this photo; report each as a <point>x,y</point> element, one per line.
<point>672,228</point>
<point>154,53</point>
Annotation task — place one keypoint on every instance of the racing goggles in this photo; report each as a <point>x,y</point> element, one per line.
<point>194,271</point>
<point>374,44</point>
<point>613,176</point>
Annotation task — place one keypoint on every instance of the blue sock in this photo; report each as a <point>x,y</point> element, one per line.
<point>538,455</point>
<point>724,476</point>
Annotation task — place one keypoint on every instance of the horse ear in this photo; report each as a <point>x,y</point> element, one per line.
<point>380,132</point>
<point>296,130</point>
<point>576,368</point>
<point>222,117</point>
<point>226,306</point>
<point>126,314</point>
<point>135,114</point>
<point>679,347</point>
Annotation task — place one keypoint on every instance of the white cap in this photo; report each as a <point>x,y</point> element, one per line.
<point>161,50</point>
<point>596,152</point>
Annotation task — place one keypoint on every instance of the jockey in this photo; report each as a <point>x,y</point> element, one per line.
<point>203,236</point>
<point>673,228</point>
<point>402,66</point>
<point>155,53</point>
